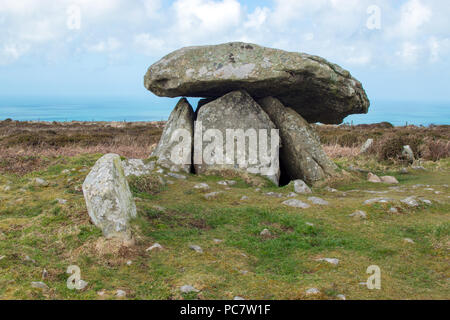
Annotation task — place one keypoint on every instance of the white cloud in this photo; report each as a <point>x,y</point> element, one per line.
<point>109,45</point>
<point>413,31</point>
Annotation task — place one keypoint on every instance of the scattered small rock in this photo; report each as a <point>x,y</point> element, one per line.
<point>404,171</point>
<point>331,189</point>
<point>312,291</point>
<point>309,224</point>
<point>2,257</point>
<point>203,186</point>
<point>28,259</point>
<point>318,201</point>
<point>217,241</point>
<point>244,198</point>
<point>373,178</point>
<point>341,297</point>
<point>393,210</point>
<point>377,200</point>
<point>301,187</point>
<point>65,171</point>
<point>188,289</point>
<point>44,274</point>
<point>291,195</point>
<point>40,182</point>
<point>196,248</point>
<point>39,285</point>
<point>121,293</point>
<point>211,195</point>
<point>265,233</point>
<point>408,240</point>
<point>389,179</point>
<point>296,204</point>
<point>426,201</point>
<point>274,194</point>
<point>129,263</point>
<point>359,214</point>
<point>6,188</point>
<point>330,260</point>
<point>410,201</point>
<point>156,246</point>
<point>61,201</point>
<point>177,176</point>
<point>418,168</point>
<point>238,298</point>
<point>101,293</point>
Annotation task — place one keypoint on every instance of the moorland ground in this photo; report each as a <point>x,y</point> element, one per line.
<point>47,226</point>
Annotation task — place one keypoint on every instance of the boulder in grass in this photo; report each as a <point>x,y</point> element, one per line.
<point>109,201</point>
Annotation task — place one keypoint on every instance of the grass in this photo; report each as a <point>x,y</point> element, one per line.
<point>37,232</point>
<point>283,266</point>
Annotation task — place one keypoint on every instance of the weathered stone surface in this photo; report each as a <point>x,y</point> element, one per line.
<point>296,204</point>
<point>301,155</point>
<point>318,201</point>
<point>366,146</point>
<point>389,179</point>
<point>408,154</point>
<point>301,187</point>
<point>317,89</point>
<point>137,167</point>
<point>236,111</point>
<point>182,117</point>
<point>373,178</point>
<point>108,198</point>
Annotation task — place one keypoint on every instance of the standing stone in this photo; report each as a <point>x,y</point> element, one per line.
<point>366,146</point>
<point>182,117</point>
<point>108,198</point>
<point>408,154</point>
<point>318,90</point>
<point>235,112</point>
<point>301,154</point>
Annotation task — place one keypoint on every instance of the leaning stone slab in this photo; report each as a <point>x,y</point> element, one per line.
<point>318,90</point>
<point>169,148</point>
<point>108,197</point>
<point>229,122</point>
<point>301,154</point>
<point>366,146</point>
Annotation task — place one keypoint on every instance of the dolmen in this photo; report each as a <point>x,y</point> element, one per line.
<point>255,113</point>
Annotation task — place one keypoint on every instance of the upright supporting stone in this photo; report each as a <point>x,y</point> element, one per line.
<point>109,201</point>
<point>234,131</point>
<point>301,154</point>
<point>179,126</point>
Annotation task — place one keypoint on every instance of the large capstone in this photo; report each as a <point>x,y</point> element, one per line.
<point>234,133</point>
<point>174,150</point>
<point>108,198</point>
<point>318,90</point>
<point>301,155</point>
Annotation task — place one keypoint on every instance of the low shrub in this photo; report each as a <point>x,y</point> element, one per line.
<point>150,184</point>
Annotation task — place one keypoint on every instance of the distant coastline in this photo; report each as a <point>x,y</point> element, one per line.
<point>148,108</point>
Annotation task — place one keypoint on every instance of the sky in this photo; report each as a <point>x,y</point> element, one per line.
<point>398,49</point>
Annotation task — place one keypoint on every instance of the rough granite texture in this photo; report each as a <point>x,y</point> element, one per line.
<point>237,110</point>
<point>318,90</point>
<point>108,197</point>
<point>301,154</point>
<point>182,117</point>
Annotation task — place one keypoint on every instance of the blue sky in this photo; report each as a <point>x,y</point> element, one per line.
<point>400,50</point>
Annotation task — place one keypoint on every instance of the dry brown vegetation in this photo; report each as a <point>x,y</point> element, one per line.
<point>428,143</point>
<point>28,146</point>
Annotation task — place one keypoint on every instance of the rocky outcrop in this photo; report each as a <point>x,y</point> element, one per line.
<point>109,201</point>
<point>235,111</point>
<point>301,154</point>
<point>318,90</point>
<point>172,154</point>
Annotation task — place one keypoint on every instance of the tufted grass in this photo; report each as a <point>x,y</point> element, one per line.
<point>53,235</point>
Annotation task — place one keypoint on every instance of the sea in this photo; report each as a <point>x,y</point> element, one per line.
<point>131,108</point>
